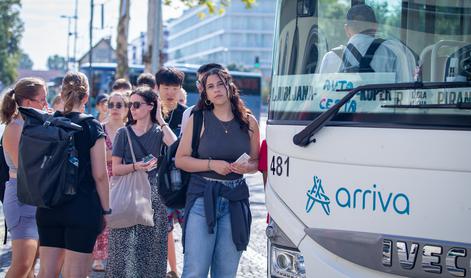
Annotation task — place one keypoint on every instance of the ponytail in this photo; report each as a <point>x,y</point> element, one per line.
<point>25,88</point>
<point>74,90</point>
<point>9,107</point>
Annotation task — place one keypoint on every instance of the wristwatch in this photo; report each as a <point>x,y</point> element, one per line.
<point>107,212</point>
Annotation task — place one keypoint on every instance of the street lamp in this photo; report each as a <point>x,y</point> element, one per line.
<point>69,33</point>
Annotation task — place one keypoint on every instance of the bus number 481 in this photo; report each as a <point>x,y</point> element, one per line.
<point>278,166</point>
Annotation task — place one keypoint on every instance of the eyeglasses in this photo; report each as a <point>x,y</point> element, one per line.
<point>118,105</point>
<point>40,101</point>
<point>136,104</point>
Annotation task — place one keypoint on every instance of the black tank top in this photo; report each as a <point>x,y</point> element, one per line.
<point>222,141</point>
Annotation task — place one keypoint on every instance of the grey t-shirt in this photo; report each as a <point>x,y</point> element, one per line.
<point>151,141</point>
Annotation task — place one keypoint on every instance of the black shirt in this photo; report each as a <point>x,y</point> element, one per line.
<point>84,141</point>
<point>174,118</point>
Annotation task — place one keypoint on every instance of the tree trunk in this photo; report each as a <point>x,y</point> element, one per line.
<point>152,59</point>
<point>122,40</point>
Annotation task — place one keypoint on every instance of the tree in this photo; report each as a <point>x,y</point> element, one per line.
<point>122,40</point>
<point>11,31</point>
<point>56,62</point>
<point>123,27</point>
<point>25,61</point>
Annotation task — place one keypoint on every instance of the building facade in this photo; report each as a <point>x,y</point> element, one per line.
<point>137,48</point>
<point>240,36</point>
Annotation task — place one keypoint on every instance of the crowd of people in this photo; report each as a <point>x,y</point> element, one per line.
<point>132,123</point>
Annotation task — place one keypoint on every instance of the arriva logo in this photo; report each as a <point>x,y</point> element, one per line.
<point>365,199</point>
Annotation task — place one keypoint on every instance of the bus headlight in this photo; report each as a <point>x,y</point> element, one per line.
<point>286,263</point>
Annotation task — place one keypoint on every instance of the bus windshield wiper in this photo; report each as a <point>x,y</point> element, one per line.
<point>304,137</point>
<point>459,105</point>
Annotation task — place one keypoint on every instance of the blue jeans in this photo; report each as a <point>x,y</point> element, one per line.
<point>204,250</point>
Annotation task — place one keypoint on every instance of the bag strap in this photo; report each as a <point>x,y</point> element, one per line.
<point>370,52</point>
<point>130,145</point>
<point>197,126</point>
<point>139,144</point>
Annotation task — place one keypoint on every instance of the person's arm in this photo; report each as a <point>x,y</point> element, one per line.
<point>185,118</point>
<point>252,165</point>
<point>186,162</point>
<point>119,147</point>
<point>11,142</point>
<point>169,137</point>
<point>121,169</point>
<point>99,173</point>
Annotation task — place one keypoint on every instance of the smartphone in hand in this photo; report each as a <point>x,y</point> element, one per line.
<point>244,158</point>
<point>150,158</point>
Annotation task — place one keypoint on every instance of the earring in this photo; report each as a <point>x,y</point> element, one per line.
<point>207,102</point>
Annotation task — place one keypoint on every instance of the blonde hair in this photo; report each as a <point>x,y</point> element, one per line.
<point>25,88</point>
<point>74,90</point>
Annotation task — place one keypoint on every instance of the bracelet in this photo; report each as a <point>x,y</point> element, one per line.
<point>164,124</point>
<point>134,167</point>
<point>209,164</point>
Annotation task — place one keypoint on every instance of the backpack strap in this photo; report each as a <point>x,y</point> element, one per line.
<point>354,51</point>
<point>370,52</point>
<point>197,126</point>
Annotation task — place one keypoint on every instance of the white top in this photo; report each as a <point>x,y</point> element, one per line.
<point>391,56</point>
<point>186,115</point>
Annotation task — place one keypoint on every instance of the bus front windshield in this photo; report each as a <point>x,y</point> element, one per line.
<point>323,46</point>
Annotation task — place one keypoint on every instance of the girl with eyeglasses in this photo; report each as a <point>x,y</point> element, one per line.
<point>117,113</point>
<point>217,211</point>
<point>141,251</point>
<point>20,218</point>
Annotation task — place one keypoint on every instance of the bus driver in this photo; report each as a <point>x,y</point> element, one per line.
<point>367,53</point>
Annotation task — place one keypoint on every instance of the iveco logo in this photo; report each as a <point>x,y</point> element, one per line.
<point>433,257</point>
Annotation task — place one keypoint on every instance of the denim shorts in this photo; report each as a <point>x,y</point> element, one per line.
<point>20,218</point>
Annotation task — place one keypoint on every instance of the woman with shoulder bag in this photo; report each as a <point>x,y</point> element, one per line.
<point>216,240</point>
<point>140,250</point>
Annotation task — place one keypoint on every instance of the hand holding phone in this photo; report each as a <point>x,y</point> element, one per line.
<point>244,158</point>
<point>153,162</point>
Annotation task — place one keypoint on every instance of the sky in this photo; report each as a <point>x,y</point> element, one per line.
<point>46,32</point>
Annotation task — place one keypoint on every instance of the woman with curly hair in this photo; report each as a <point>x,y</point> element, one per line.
<point>217,220</point>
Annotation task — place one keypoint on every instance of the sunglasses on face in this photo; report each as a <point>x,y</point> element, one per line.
<point>118,105</point>
<point>136,104</point>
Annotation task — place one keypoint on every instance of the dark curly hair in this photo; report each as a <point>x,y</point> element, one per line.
<point>149,97</point>
<point>240,111</point>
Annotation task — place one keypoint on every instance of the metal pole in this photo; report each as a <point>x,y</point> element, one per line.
<point>90,56</point>
<point>75,34</point>
<point>68,43</point>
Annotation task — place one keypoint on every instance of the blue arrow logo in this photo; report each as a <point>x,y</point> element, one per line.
<point>317,195</point>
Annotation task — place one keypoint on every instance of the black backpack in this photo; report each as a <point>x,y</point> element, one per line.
<point>364,62</point>
<point>48,160</point>
<point>173,182</point>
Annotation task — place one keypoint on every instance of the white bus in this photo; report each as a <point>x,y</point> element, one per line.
<point>369,171</point>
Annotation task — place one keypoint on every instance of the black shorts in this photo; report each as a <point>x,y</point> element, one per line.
<point>73,226</point>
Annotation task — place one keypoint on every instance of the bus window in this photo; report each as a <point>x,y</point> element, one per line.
<point>412,44</point>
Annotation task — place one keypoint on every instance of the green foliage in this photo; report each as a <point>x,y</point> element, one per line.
<point>236,67</point>
<point>211,4</point>
<point>25,61</point>
<point>11,30</point>
<point>56,62</point>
